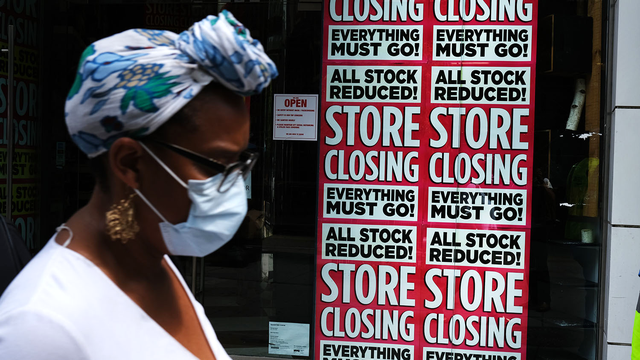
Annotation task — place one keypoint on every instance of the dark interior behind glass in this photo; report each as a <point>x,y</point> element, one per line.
<point>266,273</point>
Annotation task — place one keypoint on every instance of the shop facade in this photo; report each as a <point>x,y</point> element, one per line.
<point>434,179</point>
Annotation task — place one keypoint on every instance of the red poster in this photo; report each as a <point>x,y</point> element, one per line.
<point>426,146</point>
<point>24,15</point>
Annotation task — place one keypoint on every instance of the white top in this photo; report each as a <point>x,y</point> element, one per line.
<point>62,306</point>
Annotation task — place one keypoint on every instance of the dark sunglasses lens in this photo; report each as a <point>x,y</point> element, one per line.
<point>245,172</point>
<point>249,164</point>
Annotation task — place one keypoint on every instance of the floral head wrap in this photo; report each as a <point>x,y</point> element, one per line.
<point>131,83</point>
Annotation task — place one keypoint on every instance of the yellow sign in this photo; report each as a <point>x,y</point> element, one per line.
<point>25,63</point>
<point>24,201</point>
<point>24,164</point>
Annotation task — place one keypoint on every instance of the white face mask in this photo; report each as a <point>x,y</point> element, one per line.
<point>213,219</point>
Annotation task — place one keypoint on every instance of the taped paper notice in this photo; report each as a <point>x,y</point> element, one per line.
<point>288,339</point>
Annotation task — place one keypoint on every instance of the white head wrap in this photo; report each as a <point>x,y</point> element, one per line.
<point>131,83</point>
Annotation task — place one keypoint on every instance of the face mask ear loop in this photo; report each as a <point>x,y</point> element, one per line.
<point>151,206</point>
<point>164,167</point>
<point>68,241</point>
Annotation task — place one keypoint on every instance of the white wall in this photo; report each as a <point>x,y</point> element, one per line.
<point>622,284</point>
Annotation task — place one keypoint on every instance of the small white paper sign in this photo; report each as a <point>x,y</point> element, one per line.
<point>295,117</point>
<point>247,185</point>
<point>288,338</point>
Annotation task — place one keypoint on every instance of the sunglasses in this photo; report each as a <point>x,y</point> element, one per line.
<point>230,173</point>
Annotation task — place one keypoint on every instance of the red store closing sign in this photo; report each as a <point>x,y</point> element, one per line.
<point>426,146</point>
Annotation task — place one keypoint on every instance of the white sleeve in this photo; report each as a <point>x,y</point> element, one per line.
<point>35,335</point>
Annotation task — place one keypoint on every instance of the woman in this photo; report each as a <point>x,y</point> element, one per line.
<point>163,119</point>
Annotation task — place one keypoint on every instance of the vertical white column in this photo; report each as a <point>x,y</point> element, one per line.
<point>622,284</point>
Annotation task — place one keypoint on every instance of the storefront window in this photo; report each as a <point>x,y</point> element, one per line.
<point>566,232</point>
<point>26,118</point>
<point>265,274</point>
<point>477,184</point>
<point>264,292</point>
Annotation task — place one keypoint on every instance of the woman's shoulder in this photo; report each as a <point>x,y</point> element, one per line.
<point>37,334</point>
<point>49,280</point>
<point>33,324</point>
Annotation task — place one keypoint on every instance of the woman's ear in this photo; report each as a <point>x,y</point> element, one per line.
<point>124,160</point>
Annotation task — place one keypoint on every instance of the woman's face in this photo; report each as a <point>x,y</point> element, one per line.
<point>218,128</point>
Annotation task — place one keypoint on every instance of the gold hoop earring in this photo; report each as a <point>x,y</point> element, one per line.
<point>121,223</point>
